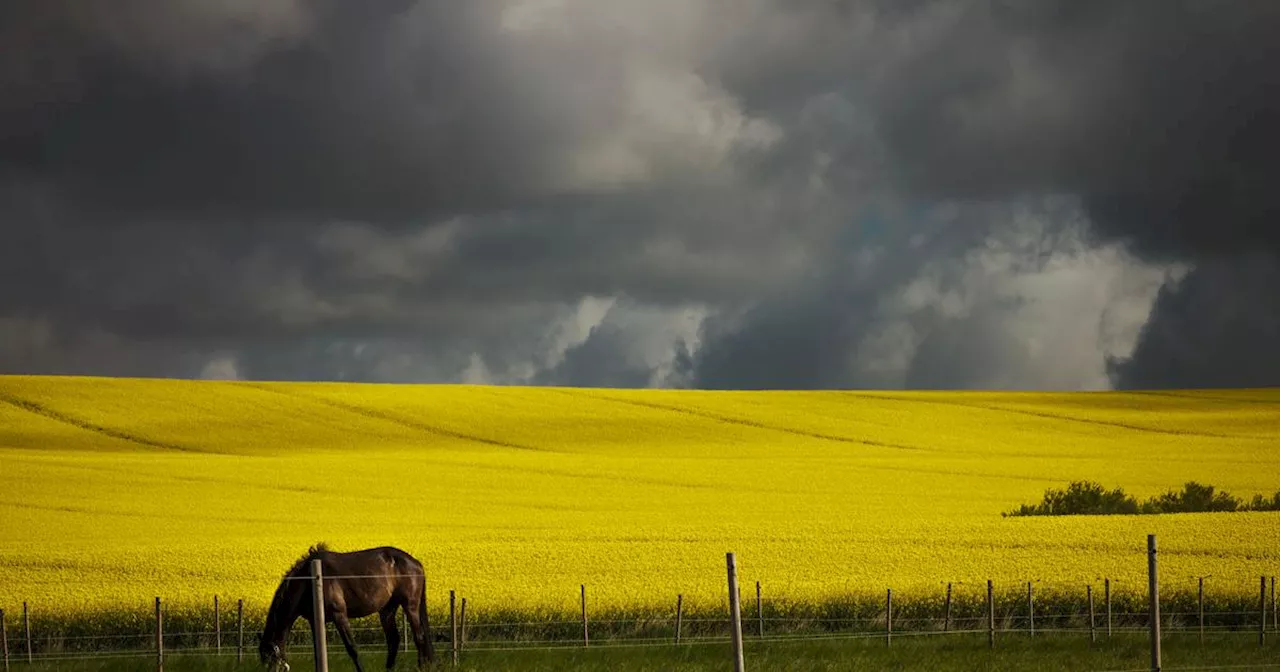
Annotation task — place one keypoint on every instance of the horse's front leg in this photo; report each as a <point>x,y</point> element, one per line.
<point>343,626</point>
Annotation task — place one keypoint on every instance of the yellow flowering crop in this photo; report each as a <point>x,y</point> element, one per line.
<point>114,491</point>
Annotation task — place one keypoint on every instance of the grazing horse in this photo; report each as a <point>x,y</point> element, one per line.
<point>372,581</point>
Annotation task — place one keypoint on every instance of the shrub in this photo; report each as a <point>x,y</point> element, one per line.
<point>1260,503</point>
<point>1086,498</point>
<point>1080,498</point>
<point>1194,498</point>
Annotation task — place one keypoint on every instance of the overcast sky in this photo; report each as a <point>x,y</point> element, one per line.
<point>1049,194</point>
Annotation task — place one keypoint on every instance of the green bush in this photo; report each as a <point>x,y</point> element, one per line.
<point>1194,498</point>
<point>1080,498</point>
<point>1086,498</point>
<point>1260,503</point>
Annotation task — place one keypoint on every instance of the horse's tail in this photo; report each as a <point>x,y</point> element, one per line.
<point>426,625</point>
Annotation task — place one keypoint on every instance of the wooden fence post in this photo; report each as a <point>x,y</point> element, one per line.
<point>217,626</point>
<point>462,626</point>
<point>1200,607</point>
<point>159,638</point>
<point>888,616</point>
<point>679,614</point>
<point>4,641</point>
<point>759,612</point>
<point>946,616</point>
<point>318,633</point>
<point>1093,633</point>
<point>1262,613</point>
<point>1031,611</point>
<point>1275,618</point>
<point>586,634</point>
<point>735,613</point>
<point>240,631</point>
<point>1153,591</point>
<point>991,616</point>
<point>26,629</point>
<point>1106,586</point>
<point>453,628</point>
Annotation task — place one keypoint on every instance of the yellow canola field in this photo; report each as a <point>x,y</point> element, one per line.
<point>114,491</point>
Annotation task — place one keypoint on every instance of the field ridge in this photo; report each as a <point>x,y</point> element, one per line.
<point>33,407</point>
<point>388,417</point>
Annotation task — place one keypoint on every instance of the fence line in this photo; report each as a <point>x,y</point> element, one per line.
<point>544,645</point>
<point>567,644</point>
<point>1003,616</point>
<point>789,627</point>
<point>1176,621</point>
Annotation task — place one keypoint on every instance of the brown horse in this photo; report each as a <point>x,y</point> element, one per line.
<point>372,581</point>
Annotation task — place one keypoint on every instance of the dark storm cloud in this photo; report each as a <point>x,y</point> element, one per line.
<point>804,335</point>
<point>1218,327</point>
<point>1163,115</point>
<point>1027,303</point>
<point>599,361</point>
<point>349,174</point>
<point>435,191</point>
<point>318,122</point>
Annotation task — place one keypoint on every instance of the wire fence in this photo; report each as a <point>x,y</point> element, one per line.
<point>1010,613</point>
<point>235,632</point>
<point>301,648</point>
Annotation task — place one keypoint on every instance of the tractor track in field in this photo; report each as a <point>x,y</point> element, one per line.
<point>397,420</point>
<point>198,516</point>
<point>58,416</point>
<point>1208,397</point>
<point>754,424</point>
<point>1052,416</point>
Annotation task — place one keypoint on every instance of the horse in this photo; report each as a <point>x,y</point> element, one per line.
<point>374,580</point>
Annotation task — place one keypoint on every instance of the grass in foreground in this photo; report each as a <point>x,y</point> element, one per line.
<point>960,653</point>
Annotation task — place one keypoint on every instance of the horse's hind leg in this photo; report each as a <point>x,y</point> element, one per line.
<point>388,617</point>
<point>343,626</point>
<point>419,631</point>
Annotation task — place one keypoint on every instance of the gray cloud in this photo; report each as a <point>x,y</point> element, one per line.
<point>630,346</point>
<point>384,112</point>
<point>1161,115</point>
<point>1217,327</point>
<point>763,193</point>
<point>1028,303</point>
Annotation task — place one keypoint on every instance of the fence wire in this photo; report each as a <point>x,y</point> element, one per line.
<point>604,632</point>
<point>1015,616</point>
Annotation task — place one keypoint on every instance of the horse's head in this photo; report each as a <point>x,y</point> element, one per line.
<point>271,654</point>
<point>275,629</point>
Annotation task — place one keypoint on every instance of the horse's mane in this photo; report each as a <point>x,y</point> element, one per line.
<point>300,567</point>
<point>304,562</point>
